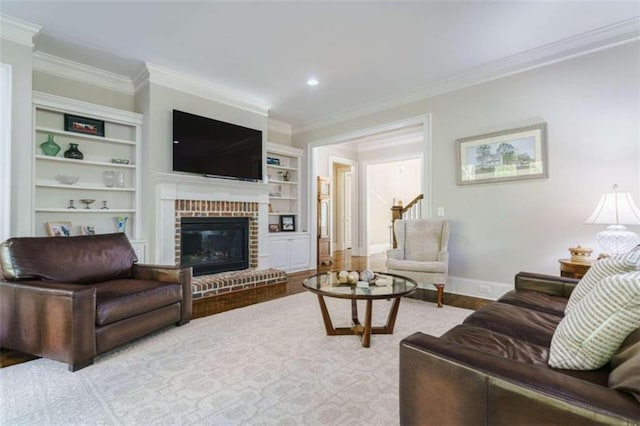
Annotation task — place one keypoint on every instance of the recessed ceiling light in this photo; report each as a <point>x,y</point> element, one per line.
<point>312,82</point>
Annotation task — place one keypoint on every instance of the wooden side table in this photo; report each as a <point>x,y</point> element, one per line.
<point>574,268</point>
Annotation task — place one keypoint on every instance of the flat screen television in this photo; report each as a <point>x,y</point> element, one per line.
<point>215,148</point>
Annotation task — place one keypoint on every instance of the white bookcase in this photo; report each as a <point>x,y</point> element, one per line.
<point>121,140</point>
<point>289,250</point>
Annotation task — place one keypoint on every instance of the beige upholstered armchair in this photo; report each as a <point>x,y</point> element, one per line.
<point>422,252</point>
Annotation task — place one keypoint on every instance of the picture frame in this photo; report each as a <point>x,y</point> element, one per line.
<point>287,223</point>
<point>87,126</point>
<point>274,227</point>
<point>87,230</point>
<point>509,155</point>
<point>59,229</point>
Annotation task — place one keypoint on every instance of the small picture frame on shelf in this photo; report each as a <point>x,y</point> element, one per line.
<point>287,223</point>
<point>59,229</point>
<point>88,126</point>
<point>273,161</point>
<point>274,227</point>
<point>88,230</point>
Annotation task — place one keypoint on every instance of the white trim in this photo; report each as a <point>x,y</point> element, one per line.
<point>284,149</point>
<point>602,38</point>
<point>469,287</point>
<point>5,151</point>
<point>60,67</point>
<point>72,106</point>
<point>17,30</point>
<point>278,127</point>
<point>155,74</point>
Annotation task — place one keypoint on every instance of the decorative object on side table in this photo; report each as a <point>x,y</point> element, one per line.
<point>513,154</point>
<point>50,147</point>
<point>579,253</point>
<point>73,152</point>
<point>67,179</point>
<point>616,209</point>
<point>88,126</point>
<point>59,229</point>
<point>121,223</point>
<point>87,202</point>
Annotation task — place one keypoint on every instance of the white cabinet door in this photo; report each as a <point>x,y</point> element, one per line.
<point>299,255</point>
<point>279,253</point>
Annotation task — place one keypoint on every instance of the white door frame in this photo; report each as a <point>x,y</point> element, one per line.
<point>360,240</point>
<point>5,151</point>
<point>352,198</point>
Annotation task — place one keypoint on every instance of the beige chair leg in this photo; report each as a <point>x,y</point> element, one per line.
<point>440,288</point>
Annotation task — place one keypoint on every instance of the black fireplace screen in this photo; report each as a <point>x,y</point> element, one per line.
<point>214,244</point>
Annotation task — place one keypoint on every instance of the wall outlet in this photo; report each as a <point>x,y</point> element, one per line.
<point>484,289</point>
<point>441,211</point>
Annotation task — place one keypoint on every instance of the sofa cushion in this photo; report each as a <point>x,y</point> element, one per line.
<point>120,299</point>
<point>521,323</point>
<point>536,300</point>
<point>81,260</point>
<point>589,335</point>
<point>603,268</point>
<point>625,366</point>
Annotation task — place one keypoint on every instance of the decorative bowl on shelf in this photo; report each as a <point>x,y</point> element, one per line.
<point>67,179</point>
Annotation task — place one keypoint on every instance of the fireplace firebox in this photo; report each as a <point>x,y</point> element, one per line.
<point>214,244</point>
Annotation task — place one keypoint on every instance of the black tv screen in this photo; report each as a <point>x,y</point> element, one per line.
<point>215,148</point>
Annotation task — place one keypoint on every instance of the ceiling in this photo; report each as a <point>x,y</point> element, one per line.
<point>366,55</point>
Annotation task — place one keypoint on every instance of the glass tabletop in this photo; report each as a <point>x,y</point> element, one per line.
<point>383,286</point>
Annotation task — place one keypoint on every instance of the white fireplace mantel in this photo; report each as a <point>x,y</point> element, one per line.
<point>170,187</point>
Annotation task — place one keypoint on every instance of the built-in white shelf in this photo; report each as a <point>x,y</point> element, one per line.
<point>83,136</point>
<point>85,187</point>
<point>83,210</point>
<point>84,162</point>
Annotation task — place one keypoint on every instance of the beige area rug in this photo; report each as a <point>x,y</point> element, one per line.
<point>266,364</point>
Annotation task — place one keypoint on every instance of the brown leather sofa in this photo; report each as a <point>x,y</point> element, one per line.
<point>492,369</point>
<point>72,298</point>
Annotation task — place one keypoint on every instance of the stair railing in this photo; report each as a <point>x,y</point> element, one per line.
<point>413,210</point>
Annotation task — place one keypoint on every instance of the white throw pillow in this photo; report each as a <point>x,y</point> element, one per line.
<point>590,334</point>
<point>619,264</point>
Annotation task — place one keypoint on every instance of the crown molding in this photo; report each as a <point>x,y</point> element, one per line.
<point>76,71</point>
<point>602,38</point>
<point>18,31</point>
<point>155,74</point>
<point>279,127</point>
<point>72,106</point>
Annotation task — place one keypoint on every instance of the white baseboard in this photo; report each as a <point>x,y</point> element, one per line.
<point>476,288</point>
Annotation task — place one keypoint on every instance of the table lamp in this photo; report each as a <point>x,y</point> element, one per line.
<point>616,209</point>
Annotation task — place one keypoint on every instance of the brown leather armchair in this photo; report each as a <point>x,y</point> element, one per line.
<point>72,298</point>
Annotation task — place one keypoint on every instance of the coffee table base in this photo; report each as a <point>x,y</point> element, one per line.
<point>363,331</point>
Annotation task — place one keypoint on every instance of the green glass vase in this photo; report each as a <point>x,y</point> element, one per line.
<point>50,147</point>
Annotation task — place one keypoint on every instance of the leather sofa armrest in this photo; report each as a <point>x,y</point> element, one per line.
<point>66,313</point>
<point>397,254</point>
<point>549,284</point>
<point>174,274</point>
<point>485,388</point>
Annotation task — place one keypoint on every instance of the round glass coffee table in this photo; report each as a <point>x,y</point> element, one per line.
<point>384,286</point>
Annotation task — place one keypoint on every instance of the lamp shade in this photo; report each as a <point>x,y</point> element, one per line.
<point>615,208</point>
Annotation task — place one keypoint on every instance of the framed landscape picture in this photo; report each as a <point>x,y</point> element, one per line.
<point>514,154</point>
<point>88,126</point>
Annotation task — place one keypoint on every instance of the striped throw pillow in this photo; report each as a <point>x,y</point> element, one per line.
<point>621,263</point>
<point>592,332</point>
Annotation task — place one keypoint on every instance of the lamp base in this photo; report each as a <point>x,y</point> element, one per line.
<point>617,239</point>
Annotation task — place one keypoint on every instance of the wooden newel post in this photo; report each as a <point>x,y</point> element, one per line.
<point>396,213</point>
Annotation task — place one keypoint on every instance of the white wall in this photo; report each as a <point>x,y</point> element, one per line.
<point>591,106</point>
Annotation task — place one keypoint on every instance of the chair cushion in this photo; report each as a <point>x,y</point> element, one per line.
<point>120,299</point>
<point>83,259</point>
<point>536,300</point>
<point>589,335</point>
<point>421,239</point>
<point>626,262</point>
<point>413,265</point>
